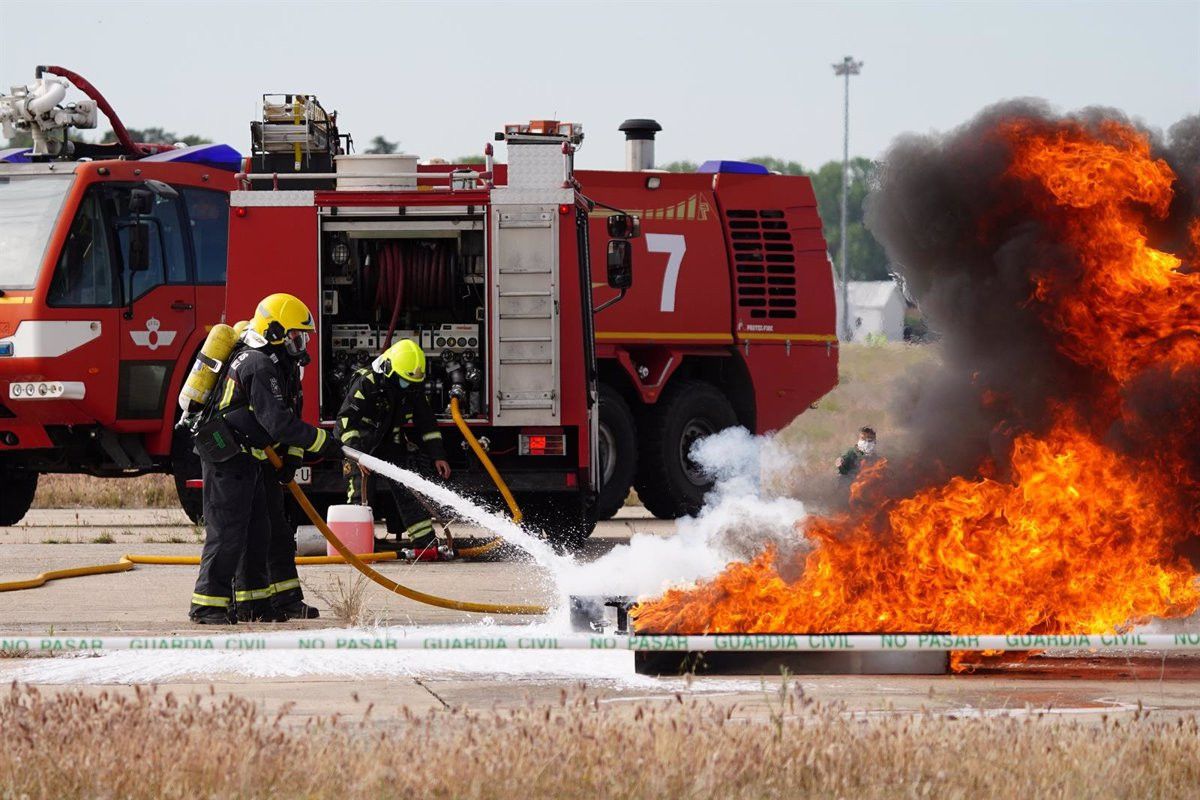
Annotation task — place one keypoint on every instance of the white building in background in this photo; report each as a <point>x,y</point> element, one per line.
<point>876,307</point>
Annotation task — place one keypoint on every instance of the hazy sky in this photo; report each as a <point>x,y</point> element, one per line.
<point>726,80</point>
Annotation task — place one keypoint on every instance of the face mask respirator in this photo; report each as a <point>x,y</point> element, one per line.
<point>866,446</point>
<point>296,343</point>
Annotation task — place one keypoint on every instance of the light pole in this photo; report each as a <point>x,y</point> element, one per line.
<point>846,68</point>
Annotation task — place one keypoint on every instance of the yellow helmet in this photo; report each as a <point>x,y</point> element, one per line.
<point>284,319</point>
<point>404,359</point>
<point>279,313</point>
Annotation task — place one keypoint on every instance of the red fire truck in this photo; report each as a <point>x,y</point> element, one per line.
<point>730,319</point>
<point>112,261</point>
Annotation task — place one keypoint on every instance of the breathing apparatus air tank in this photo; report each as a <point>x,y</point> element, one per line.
<point>203,376</point>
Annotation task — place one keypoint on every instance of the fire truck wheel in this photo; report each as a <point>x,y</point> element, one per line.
<point>17,495</point>
<point>669,483</point>
<point>185,466</point>
<point>618,452</point>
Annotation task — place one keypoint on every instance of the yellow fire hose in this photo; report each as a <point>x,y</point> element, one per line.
<point>128,561</point>
<point>517,516</point>
<point>388,583</point>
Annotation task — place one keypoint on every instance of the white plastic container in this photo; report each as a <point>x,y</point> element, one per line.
<point>355,526</point>
<point>376,170</point>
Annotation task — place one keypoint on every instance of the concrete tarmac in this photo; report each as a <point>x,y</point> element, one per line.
<point>154,600</point>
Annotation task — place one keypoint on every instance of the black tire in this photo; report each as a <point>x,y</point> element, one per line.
<point>565,520</point>
<point>16,495</point>
<point>669,484</point>
<point>618,452</point>
<point>185,466</point>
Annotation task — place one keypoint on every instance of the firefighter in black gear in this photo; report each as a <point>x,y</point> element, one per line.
<point>255,406</point>
<point>381,400</point>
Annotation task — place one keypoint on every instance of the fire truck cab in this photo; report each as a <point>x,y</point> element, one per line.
<point>112,260</point>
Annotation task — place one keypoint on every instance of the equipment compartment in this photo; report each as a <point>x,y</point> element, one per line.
<point>384,280</point>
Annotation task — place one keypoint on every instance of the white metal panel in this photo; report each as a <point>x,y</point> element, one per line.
<point>524,314</point>
<point>546,194</point>
<point>51,338</point>
<point>270,199</point>
<point>534,165</point>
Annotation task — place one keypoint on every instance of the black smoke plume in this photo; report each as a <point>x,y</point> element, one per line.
<point>964,238</point>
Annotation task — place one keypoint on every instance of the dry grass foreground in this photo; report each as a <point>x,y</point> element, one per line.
<point>154,745</point>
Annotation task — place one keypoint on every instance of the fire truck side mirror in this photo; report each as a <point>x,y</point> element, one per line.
<point>624,226</point>
<point>141,201</point>
<point>161,189</point>
<point>620,264</point>
<point>138,259</point>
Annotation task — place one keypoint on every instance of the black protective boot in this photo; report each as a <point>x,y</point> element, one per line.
<point>298,609</point>
<point>259,611</point>
<point>212,615</point>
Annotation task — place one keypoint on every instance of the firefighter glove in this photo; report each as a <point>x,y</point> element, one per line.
<point>287,472</point>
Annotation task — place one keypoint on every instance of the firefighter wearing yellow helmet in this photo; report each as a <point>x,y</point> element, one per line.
<point>385,413</point>
<point>247,568</point>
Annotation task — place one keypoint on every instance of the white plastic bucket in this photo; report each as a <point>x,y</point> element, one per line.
<point>355,526</point>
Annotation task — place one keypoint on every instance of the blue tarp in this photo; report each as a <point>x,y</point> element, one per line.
<point>736,167</point>
<point>15,155</point>
<point>217,156</point>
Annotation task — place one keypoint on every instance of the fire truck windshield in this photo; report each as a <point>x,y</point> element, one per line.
<point>29,207</point>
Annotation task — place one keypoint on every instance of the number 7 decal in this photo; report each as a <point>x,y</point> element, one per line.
<point>674,246</point>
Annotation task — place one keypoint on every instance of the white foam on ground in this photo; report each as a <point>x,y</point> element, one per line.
<point>605,668</point>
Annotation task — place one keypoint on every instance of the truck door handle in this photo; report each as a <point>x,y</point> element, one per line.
<point>179,305</point>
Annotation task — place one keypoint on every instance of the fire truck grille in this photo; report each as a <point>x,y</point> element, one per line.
<point>765,263</point>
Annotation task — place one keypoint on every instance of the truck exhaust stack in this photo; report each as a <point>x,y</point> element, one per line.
<point>639,143</point>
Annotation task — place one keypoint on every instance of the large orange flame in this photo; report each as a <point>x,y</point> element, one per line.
<point>1076,537</point>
